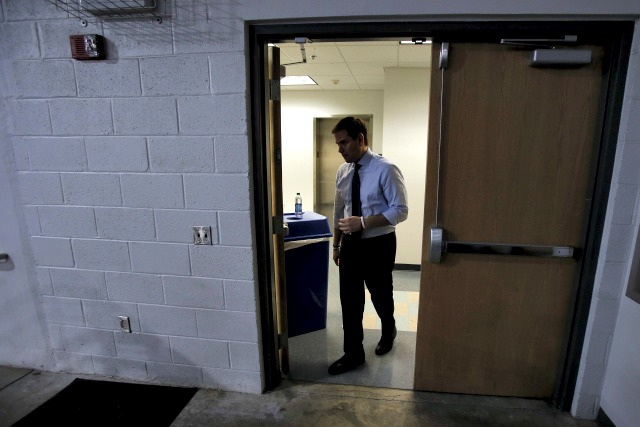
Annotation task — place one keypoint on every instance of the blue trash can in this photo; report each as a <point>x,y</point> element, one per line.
<point>306,259</point>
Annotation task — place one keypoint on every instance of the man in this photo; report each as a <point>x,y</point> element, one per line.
<point>364,239</point>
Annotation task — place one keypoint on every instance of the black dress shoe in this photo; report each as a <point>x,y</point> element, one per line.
<point>344,364</point>
<point>385,345</point>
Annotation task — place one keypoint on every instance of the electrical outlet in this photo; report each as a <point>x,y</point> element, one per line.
<point>125,325</point>
<point>201,235</point>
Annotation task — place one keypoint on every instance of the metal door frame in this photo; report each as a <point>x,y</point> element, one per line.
<point>614,35</point>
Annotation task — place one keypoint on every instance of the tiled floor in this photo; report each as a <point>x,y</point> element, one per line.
<point>406,312</point>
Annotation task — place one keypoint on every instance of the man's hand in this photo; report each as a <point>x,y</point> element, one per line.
<point>350,224</point>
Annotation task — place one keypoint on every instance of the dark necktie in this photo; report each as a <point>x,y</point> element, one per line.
<point>355,195</point>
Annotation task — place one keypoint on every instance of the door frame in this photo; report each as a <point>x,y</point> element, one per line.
<point>614,35</point>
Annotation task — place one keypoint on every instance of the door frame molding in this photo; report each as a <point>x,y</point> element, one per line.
<point>614,35</point>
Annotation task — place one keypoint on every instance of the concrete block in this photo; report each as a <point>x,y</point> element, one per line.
<point>227,325</point>
<point>611,284</point>
<point>619,244</point>
<point>55,337</point>
<point>161,258</point>
<point>44,281</point>
<point>117,154</point>
<point>101,255</point>
<point>233,380</point>
<point>181,154</point>
<point>605,316</point>
<point>67,221</point>
<point>175,225</point>
<point>104,314</point>
<point>222,262</point>
<point>125,224</point>
<point>632,131</point>
<point>214,34</point>
<point>19,40</point>
<point>131,287</point>
<point>143,347</point>
<point>57,154</point>
<point>108,78</point>
<point>175,75</point>
<point>54,35</point>
<point>158,319</point>
<point>88,341</point>
<point>199,352</point>
<point>74,283</point>
<point>30,117</point>
<point>44,79</point>
<point>92,189</point>
<point>152,190</point>
<point>598,347</point>
<point>235,228</point>
<point>228,73</point>
<point>33,220</point>
<point>39,188</point>
<point>138,37</point>
<point>81,116</point>
<point>232,154</point>
<point>20,10</point>
<point>239,295</point>
<point>625,202</point>
<point>593,379</point>
<point>244,356</point>
<point>145,116</point>
<point>213,115</point>
<point>63,311</point>
<point>120,368</point>
<point>224,192</point>
<point>193,292</point>
<point>52,251</point>
<point>587,406</point>
<point>179,375</point>
<point>629,170</point>
<point>20,146</point>
<point>74,362</point>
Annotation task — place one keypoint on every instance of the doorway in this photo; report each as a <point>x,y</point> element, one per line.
<point>613,82</point>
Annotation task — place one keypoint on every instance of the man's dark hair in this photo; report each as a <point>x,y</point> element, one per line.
<point>353,126</point>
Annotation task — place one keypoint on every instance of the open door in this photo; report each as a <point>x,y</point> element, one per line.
<point>275,159</point>
<point>510,181</point>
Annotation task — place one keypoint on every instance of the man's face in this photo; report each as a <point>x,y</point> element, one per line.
<point>350,149</point>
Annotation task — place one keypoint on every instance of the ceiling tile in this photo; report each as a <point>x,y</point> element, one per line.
<point>379,53</point>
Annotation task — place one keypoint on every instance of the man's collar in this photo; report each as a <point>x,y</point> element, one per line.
<point>365,159</point>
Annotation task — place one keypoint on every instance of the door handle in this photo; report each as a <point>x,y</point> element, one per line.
<point>508,249</point>
<point>4,257</point>
<point>438,246</point>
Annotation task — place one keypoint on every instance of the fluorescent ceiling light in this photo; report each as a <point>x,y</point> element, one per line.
<point>416,40</point>
<point>297,80</point>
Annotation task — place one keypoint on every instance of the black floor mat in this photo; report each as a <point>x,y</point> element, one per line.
<point>105,403</point>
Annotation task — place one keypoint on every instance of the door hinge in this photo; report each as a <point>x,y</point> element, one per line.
<point>277,223</point>
<point>274,90</point>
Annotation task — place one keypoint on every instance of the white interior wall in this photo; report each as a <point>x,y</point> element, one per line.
<point>404,142</point>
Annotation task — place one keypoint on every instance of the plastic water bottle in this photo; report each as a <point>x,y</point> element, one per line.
<point>298,205</point>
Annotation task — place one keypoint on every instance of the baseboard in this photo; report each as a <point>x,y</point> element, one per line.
<point>407,267</point>
<point>603,420</point>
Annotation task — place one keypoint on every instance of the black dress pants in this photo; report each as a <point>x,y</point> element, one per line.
<point>366,262</point>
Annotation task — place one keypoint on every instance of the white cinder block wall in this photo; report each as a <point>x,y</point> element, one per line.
<point>102,149</point>
<point>116,160</point>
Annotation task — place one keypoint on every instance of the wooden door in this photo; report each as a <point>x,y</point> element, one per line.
<point>516,157</point>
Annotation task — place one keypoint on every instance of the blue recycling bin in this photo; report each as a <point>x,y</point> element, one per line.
<point>306,259</point>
